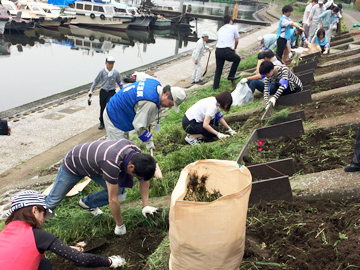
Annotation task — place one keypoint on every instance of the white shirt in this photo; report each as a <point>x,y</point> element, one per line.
<point>284,23</point>
<point>226,36</point>
<point>307,9</point>
<point>204,107</point>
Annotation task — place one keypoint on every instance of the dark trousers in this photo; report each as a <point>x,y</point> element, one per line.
<point>45,264</point>
<point>222,55</point>
<point>356,159</point>
<point>281,45</point>
<point>256,84</point>
<point>104,99</point>
<point>193,127</point>
<point>275,86</point>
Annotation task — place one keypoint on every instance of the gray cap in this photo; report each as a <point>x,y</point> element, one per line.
<point>179,96</point>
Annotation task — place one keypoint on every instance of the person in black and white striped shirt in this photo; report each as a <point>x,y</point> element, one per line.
<point>279,80</point>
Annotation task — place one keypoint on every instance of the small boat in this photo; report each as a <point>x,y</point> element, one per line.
<point>161,23</point>
<point>4,18</point>
<point>96,14</point>
<point>142,21</point>
<point>56,11</point>
<point>19,16</point>
<point>34,9</point>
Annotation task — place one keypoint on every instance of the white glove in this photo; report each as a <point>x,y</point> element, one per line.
<point>90,94</point>
<point>325,52</point>
<point>222,136</point>
<point>244,80</point>
<point>148,210</point>
<point>150,145</point>
<point>272,101</point>
<point>120,230</point>
<point>334,27</point>
<point>290,55</point>
<point>117,261</point>
<point>231,131</point>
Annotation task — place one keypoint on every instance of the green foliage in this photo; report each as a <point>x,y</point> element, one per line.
<point>280,115</point>
<point>248,62</point>
<point>159,260</point>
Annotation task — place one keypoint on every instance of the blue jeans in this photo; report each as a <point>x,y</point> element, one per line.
<point>256,84</point>
<point>65,181</point>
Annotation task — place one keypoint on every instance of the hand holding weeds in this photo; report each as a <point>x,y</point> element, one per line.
<point>117,261</point>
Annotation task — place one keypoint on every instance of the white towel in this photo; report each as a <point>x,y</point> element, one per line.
<point>110,73</point>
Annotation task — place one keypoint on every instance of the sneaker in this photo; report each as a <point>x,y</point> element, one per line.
<point>191,141</point>
<point>101,126</point>
<point>94,211</point>
<point>352,168</point>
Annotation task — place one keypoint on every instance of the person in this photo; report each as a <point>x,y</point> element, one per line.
<point>283,82</point>
<point>327,19</point>
<point>108,77</point>
<point>268,41</point>
<point>198,52</point>
<point>316,10</point>
<point>284,32</point>
<point>202,119</point>
<point>110,164</point>
<point>355,165</point>
<point>256,81</point>
<point>135,107</point>
<point>23,242</point>
<point>295,34</point>
<point>322,40</point>
<point>306,19</point>
<point>227,35</point>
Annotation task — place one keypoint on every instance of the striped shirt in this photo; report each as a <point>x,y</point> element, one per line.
<point>106,158</point>
<point>279,73</point>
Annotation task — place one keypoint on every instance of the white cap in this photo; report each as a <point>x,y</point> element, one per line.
<point>260,39</point>
<point>179,96</point>
<point>110,59</point>
<point>321,1</point>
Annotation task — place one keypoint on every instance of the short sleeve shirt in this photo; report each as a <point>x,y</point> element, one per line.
<point>204,107</point>
<point>226,36</point>
<point>308,9</point>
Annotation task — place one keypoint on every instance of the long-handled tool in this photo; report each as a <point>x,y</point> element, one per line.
<point>207,64</point>
<point>158,173</point>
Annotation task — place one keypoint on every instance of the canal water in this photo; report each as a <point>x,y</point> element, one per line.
<point>42,62</point>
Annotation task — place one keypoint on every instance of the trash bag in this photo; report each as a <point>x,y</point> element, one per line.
<point>242,95</point>
<point>140,76</point>
<point>210,235</point>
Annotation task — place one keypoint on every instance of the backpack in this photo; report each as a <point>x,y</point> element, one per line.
<point>4,129</point>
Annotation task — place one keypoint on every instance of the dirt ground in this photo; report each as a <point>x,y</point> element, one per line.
<point>317,151</point>
<point>320,86</point>
<point>324,70</point>
<point>303,235</point>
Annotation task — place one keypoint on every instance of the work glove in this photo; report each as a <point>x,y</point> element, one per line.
<point>272,101</point>
<point>120,230</point>
<point>325,52</point>
<point>90,94</point>
<point>231,131</point>
<point>117,261</point>
<point>148,210</point>
<point>150,145</point>
<point>290,55</point>
<point>222,136</point>
<point>244,80</point>
<point>334,27</point>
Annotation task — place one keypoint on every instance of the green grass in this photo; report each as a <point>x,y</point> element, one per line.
<point>159,260</point>
<point>248,62</point>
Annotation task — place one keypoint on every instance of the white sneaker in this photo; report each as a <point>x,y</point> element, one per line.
<point>191,141</point>
<point>94,211</point>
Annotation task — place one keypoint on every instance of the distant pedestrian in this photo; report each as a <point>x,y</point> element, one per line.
<point>23,242</point>
<point>268,41</point>
<point>227,35</point>
<point>109,77</point>
<point>198,52</point>
<point>316,10</point>
<point>355,165</point>
<point>284,32</point>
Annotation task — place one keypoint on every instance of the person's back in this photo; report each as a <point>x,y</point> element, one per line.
<point>203,107</point>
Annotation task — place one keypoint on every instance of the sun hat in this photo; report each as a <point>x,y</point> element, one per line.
<point>260,39</point>
<point>321,1</point>
<point>110,59</point>
<point>205,34</point>
<point>29,198</point>
<point>179,96</point>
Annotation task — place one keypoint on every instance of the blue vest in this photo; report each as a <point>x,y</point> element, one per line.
<point>293,38</point>
<point>287,29</point>
<point>121,106</point>
<point>317,41</point>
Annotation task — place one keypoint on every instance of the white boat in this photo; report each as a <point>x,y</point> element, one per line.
<point>14,11</point>
<point>97,14</point>
<point>56,11</point>
<point>141,20</point>
<point>34,9</point>
<point>4,18</point>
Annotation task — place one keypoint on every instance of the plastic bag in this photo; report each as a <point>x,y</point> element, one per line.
<point>242,95</point>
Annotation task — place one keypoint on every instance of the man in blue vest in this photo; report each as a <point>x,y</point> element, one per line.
<point>136,106</point>
<point>284,32</point>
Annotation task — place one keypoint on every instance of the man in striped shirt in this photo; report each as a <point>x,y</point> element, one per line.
<point>279,80</point>
<point>112,165</point>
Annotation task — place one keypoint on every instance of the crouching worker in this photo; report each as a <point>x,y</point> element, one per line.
<point>23,242</point>
<point>202,119</point>
<point>198,52</point>
<point>283,82</point>
<point>110,164</point>
<point>322,40</point>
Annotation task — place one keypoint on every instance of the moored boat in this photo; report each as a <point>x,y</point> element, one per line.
<point>34,9</point>
<point>4,18</point>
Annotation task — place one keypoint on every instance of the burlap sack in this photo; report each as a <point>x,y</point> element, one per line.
<point>312,48</point>
<point>210,235</point>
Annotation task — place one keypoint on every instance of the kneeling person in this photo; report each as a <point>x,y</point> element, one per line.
<point>322,40</point>
<point>112,165</point>
<point>202,119</point>
<point>283,81</point>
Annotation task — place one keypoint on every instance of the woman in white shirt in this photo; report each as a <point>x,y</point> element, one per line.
<point>202,119</point>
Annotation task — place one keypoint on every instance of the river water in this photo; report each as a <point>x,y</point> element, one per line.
<point>42,62</point>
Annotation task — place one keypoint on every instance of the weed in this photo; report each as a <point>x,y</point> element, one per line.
<point>196,189</point>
